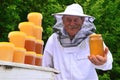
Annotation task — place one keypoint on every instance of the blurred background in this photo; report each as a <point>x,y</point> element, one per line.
<point>106,12</point>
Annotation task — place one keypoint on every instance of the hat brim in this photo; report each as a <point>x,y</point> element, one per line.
<point>62,13</point>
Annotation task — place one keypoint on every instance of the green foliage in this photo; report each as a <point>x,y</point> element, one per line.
<point>48,21</point>
<point>65,2</point>
<point>8,19</point>
<point>104,77</point>
<point>106,12</point>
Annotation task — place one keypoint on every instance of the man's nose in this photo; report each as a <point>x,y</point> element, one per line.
<point>72,23</point>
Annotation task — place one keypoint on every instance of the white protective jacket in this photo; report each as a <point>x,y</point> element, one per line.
<point>72,62</point>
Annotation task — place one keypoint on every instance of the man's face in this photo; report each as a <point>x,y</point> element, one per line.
<point>72,24</point>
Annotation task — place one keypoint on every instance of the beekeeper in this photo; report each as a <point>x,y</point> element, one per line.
<point>67,49</point>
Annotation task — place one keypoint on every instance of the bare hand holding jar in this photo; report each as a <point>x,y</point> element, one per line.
<point>98,55</point>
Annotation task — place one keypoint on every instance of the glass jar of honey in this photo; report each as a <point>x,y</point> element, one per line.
<point>30,58</point>
<point>35,17</point>
<point>6,51</point>
<point>30,43</point>
<point>38,32</point>
<point>38,60</point>
<point>39,46</point>
<point>96,44</point>
<point>17,38</point>
<point>19,55</point>
<point>27,27</point>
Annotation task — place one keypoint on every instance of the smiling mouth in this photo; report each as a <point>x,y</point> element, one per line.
<point>73,27</point>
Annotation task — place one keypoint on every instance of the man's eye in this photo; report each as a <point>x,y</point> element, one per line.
<point>68,20</point>
<point>76,20</point>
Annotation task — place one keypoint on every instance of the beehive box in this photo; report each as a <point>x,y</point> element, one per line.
<point>17,71</point>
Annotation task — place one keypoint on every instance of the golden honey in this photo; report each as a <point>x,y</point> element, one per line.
<point>39,46</point>
<point>19,55</point>
<point>38,60</point>
<point>38,32</point>
<point>17,38</point>
<point>96,44</point>
<point>30,58</point>
<point>35,17</point>
<point>27,27</point>
<point>6,51</point>
<point>30,43</point>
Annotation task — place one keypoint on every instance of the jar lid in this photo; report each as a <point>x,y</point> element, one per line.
<point>31,38</point>
<point>39,27</point>
<point>32,53</point>
<point>7,44</point>
<point>16,33</point>
<point>20,49</point>
<point>32,14</point>
<point>25,24</point>
<point>40,41</point>
<point>95,35</point>
<point>39,55</point>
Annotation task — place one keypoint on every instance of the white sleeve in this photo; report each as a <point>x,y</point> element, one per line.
<point>47,59</point>
<point>108,64</point>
